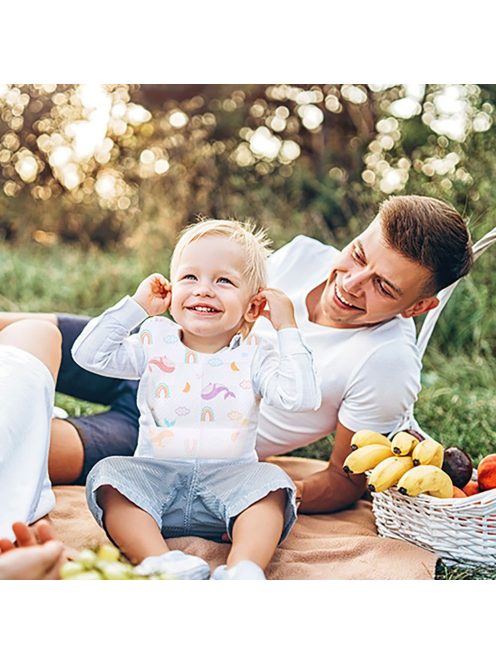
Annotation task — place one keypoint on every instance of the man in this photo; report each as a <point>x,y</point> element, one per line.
<point>354,309</point>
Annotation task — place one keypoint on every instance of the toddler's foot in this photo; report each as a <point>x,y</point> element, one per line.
<point>177,565</point>
<point>245,570</point>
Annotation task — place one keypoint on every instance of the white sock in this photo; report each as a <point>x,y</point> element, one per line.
<point>245,570</point>
<point>176,564</point>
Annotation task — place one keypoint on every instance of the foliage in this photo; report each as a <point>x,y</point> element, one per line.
<point>132,164</point>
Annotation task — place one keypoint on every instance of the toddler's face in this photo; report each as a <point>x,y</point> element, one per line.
<point>209,293</point>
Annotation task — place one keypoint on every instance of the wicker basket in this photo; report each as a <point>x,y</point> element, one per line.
<point>461,530</point>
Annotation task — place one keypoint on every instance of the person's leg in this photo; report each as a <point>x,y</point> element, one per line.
<point>78,443</point>
<point>31,351</point>
<point>133,531</point>
<point>41,338</point>
<point>257,530</point>
<point>139,537</point>
<point>66,454</point>
<point>7,318</point>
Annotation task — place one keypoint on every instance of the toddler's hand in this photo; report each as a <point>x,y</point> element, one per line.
<point>154,294</point>
<point>280,311</point>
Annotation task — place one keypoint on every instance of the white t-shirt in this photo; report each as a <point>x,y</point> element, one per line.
<point>370,376</point>
<point>27,393</point>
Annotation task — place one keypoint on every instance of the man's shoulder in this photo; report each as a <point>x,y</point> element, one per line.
<point>302,251</point>
<point>303,243</point>
<point>390,342</point>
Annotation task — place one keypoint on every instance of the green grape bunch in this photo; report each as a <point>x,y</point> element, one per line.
<point>103,564</point>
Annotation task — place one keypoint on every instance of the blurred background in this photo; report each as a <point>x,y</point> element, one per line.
<point>96,181</point>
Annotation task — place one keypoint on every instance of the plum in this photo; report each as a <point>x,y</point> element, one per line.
<point>458,465</point>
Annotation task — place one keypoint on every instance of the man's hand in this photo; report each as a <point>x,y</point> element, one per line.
<point>154,294</point>
<point>280,311</point>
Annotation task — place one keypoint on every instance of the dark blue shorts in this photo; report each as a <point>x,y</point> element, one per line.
<point>112,433</point>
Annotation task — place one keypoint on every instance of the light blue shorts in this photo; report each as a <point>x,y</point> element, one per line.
<point>191,497</point>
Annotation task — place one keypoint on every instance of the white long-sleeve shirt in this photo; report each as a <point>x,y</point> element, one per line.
<point>197,405</point>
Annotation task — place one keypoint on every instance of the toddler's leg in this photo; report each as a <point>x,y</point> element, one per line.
<point>138,536</point>
<point>133,530</point>
<point>257,530</point>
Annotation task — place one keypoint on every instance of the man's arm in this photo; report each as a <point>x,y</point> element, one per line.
<point>332,489</point>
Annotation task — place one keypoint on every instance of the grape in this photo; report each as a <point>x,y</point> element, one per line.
<point>115,571</point>
<point>87,558</point>
<point>108,552</point>
<point>70,568</point>
<point>86,576</point>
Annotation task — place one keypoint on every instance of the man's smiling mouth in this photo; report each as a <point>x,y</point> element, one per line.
<point>341,298</point>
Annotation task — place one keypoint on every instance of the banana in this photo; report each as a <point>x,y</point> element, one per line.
<point>365,437</point>
<point>365,458</point>
<point>388,472</point>
<point>403,443</point>
<point>426,479</point>
<point>428,452</point>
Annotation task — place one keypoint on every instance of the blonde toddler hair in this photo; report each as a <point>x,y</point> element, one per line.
<point>255,244</point>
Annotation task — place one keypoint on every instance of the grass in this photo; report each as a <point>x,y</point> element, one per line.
<point>457,404</point>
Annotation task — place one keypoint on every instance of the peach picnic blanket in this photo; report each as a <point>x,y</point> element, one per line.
<point>344,545</point>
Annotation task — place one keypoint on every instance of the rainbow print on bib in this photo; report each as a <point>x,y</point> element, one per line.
<point>190,357</point>
<point>162,390</point>
<point>146,337</point>
<point>207,414</point>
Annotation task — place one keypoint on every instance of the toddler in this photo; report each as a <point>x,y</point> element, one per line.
<point>195,470</point>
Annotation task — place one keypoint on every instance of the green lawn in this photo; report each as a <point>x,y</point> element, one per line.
<point>457,404</point>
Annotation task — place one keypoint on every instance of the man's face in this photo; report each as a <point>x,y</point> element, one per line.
<point>371,282</point>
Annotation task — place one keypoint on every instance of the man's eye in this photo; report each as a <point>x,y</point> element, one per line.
<point>383,290</point>
<point>357,257</point>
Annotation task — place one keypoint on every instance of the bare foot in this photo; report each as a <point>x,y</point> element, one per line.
<point>36,554</point>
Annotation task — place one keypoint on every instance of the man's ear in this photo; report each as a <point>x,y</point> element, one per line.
<point>421,307</point>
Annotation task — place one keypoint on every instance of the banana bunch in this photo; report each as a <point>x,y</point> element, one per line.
<point>406,458</point>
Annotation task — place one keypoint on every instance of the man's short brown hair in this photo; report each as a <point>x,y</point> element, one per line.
<point>430,232</point>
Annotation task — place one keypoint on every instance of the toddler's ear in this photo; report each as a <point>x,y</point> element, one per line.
<point>255,308</point>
